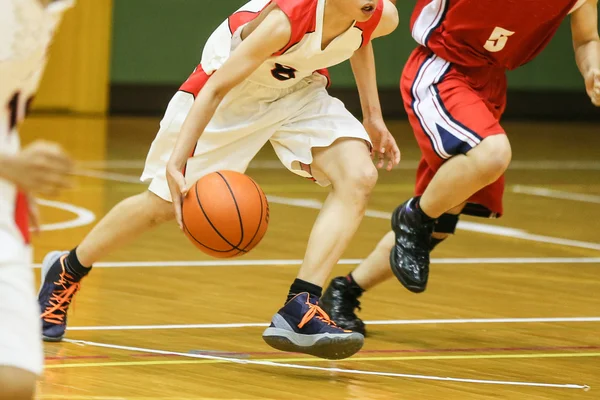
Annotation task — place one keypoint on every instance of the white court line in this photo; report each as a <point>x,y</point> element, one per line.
<point>531,165</point>
<point>462,225</point>
<point>83,216</point>
<point>349,261</point>
<point>379,322</point>
<point>556,194</point>
<point>323,369</point>
<point>110,176</point>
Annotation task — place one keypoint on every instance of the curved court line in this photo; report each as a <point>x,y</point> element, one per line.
<point>462,225</point>
<point>380,322</point>
<point>83,216</point>
<point>339,370</point>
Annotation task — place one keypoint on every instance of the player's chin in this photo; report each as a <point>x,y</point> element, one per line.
<point>365,13</point>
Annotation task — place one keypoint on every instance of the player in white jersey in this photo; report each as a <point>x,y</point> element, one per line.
<point>261,79</point>
<point>26,28</point>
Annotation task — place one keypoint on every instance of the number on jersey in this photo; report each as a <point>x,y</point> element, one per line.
<point>283,73</point>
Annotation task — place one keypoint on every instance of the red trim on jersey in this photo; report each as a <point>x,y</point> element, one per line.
<point>303,19</point>
<point>368,27</point>
<point>195,82</point>
<point>243,17</point>
<point>325,73</point>
<point>22,216</point>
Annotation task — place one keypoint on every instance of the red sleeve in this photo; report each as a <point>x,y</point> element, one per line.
<point>303,18</point>
<point>369,26</point>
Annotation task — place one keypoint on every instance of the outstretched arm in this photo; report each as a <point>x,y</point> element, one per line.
<point>586,42</point>
<point>363,67</point>
<point>270,36</point>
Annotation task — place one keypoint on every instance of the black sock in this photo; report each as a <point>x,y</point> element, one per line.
<point>424,217</point>
<point>74,267</point>
<point>300,286</point>
<point>353,285</point>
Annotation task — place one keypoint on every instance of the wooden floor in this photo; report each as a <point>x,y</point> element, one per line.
<point>150,309</point>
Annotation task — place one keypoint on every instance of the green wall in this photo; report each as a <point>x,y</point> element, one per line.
<point>159,42</point>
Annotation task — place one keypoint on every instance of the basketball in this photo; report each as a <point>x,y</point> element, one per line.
<point>225,214</point>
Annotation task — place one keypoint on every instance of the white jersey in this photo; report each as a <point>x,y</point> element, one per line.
<point>26,30</point>
<point>303,55</point>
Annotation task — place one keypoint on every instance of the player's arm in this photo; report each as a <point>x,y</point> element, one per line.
<point>586,42</point>
<point>270,36</point>
<point>363,67</point>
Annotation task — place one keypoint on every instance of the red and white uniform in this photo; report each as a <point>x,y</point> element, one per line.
<point>284,101</point>
<point>454,83</point>
<point>26,30</point>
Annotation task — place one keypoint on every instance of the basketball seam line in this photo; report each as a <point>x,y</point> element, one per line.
<point>260,196</point>
<point>238,213</point>
<point>233,247</point>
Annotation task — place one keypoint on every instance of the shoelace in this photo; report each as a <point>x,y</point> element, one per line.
<point>59,301</point>
<point>314,311</point>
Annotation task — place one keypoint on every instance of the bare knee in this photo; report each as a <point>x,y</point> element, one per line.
<point>358,181</point>
<point>16,384</point>
<point>493,156</point>
<point>158,210</point>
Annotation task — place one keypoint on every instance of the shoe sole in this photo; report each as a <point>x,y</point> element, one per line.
<point>330,347</point>
<point>398,271</point>
<point>49,260</point>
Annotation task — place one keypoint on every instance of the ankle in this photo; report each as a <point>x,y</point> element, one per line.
<point>74,266</point>
<point>301,286</point>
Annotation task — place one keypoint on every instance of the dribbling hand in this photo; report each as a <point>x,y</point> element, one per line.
<point>178,189</point>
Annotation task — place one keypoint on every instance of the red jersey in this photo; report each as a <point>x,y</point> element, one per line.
<point>477,33</point>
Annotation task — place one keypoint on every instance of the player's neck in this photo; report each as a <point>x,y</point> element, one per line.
<point>334,20</point>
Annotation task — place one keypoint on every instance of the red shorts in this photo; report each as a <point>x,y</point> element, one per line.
<point>451,110</point>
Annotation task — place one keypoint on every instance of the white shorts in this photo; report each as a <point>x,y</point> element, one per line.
<point>294,120</point>
<point>20,326</point>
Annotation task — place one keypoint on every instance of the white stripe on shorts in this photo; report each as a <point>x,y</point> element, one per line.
<point>430,111</point>
<point>429,19</point>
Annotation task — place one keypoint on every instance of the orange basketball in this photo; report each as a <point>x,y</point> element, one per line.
<point>225,214</point>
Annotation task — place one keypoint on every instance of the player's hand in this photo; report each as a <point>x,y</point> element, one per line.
<point>384,144</point>
<point>178,189</point>
<point>42,167</point>
<point>592,85</point>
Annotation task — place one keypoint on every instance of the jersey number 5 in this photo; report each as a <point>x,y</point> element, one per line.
<point>283,73</point>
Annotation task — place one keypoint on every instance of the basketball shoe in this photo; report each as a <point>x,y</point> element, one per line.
<point>340,301</point>
<point>302,326</point>
<point>409,257</point>
<point>55,295</point>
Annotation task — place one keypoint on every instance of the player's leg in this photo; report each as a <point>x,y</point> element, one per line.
<point>466,150</point>
<point>341,299</point>
<point>327,143</point>
<point>63,271</point>
<point>21,356</point>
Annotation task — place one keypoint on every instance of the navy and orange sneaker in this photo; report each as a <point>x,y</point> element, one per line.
<point>302,326</point>
<point>55,295</point>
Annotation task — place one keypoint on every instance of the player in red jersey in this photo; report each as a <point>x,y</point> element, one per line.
<point>454,91</point>
<point>261,79</point>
